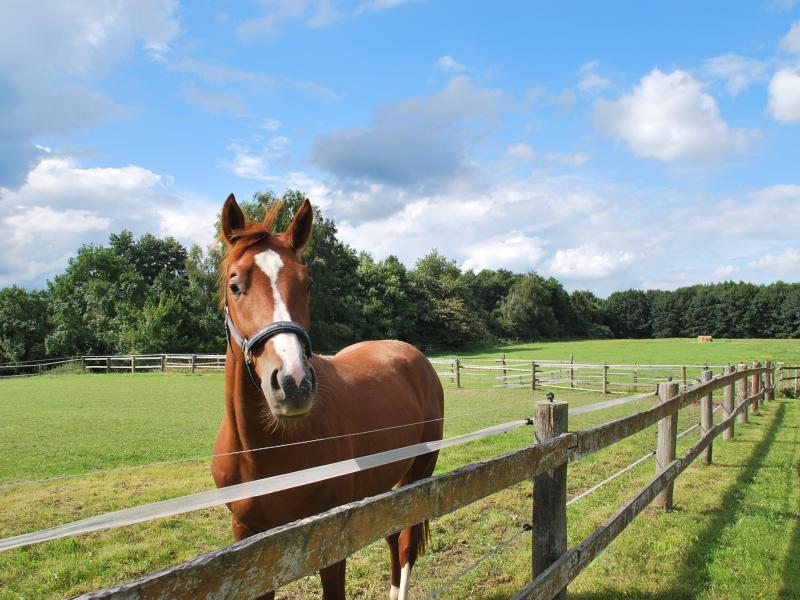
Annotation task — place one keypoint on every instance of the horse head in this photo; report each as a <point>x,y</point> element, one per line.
<point>266,297</point>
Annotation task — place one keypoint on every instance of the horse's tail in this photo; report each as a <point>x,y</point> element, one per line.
<point>420,537</point>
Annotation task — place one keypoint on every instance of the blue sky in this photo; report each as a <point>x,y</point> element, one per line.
<point>610,145</point>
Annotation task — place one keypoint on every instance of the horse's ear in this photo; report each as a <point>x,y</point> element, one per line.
<point>232,219</point>
<point>299,231</point>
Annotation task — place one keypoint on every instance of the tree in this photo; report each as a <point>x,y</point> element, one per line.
<point>588,314</point>
<point>23,324</point>
<point>526,311</point>
<point>628,314</point>
<point>447,313</point>
<point>386,298</point>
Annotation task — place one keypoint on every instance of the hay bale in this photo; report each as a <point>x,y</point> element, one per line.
<point>705,339</point>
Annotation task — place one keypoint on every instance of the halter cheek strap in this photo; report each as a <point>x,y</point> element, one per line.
<point>248,346</point>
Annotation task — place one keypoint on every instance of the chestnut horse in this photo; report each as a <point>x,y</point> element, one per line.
<point>277,392</point>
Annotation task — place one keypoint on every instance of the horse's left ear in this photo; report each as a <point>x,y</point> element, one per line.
<point>299,231</point>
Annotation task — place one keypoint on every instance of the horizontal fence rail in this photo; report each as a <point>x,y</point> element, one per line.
<point>274,558</point>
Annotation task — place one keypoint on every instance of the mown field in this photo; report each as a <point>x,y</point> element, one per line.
<point>735,532</point>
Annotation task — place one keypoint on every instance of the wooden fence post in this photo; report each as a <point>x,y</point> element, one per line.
<point>780,376</point>
<point>707,415</point>
<point>727,405</point>
<point>571,371</point>
<point>533,376</point>
<point>683,377</point>
<point>769,382</point>
<point>457,365</point>
<point>755,386</point>
<point>550,493</point>
<point>133,363</point>
<point>795,381</point>
<point>742,389</point>
<point>605,378</point>
<point>667,440</point>
<point>108,364</point>
<point>452,370</point>
<point>194,362</point>
<point>163,362</point>
<point>505,373</point>
<point>635,373</point>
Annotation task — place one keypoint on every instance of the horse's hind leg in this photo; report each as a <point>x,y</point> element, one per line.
<point>413,540</point>
<point>394,557</point>
<point>333,581</point>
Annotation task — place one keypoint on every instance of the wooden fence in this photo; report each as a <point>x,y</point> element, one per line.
<point>788,378</point>
<point>135,363</point>
<point>277,557</point>
<point>606,378</point>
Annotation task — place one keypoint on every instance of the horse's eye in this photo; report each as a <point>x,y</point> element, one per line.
<point>235,288</point>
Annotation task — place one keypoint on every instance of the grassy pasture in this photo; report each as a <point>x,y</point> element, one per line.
<point>733,534</point>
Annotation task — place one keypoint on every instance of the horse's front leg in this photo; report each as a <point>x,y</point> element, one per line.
<point>333,581</point>
<point>241,532</point>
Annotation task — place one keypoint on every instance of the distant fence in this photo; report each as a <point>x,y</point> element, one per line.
<point>134,363</point>
<point>606,378</point>
<point>498,372</point>
<point>258,564</point>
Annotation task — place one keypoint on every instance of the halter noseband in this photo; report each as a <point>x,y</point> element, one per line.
<point>248,346</point>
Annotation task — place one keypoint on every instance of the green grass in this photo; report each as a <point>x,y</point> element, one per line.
<point>732,535</point>
<point>664,351</point>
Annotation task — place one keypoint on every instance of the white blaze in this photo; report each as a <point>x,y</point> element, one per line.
<point>287,345</point>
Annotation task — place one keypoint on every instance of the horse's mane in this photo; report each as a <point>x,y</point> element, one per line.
<point>251,234</point>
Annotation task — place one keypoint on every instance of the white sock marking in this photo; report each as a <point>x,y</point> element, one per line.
<point>286,344</point>
<point>394,593</point>
<point>405,572</point>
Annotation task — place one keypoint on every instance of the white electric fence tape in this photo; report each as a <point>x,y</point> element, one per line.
<point>268,485</point>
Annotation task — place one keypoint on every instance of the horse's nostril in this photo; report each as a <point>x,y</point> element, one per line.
<point>273,381</point>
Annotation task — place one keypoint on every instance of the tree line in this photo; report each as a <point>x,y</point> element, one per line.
<point>141,295</point>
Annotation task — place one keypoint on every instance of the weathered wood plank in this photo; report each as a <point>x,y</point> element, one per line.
<point>282,555</point>
<point>667,443</point>
<point>550,494</point>
<point>707,417</point>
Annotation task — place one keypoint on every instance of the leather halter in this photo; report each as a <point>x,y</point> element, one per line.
<point>260,337</point>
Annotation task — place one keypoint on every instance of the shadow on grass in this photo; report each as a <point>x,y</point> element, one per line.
<point>693,575</point>
<point>791,568</point>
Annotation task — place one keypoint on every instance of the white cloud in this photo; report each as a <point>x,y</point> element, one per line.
<point>512,250</point>
<point>669,117</point>
<point>564,101</point>
<point>725,273</point>
<point>571,160</point>
<point>62,205</point>
<point>379,5</point>
<point>784,96</point>
<point>422,141</point>
<point>255,165</point>
<point>271,124</point>
<point>214,101</point>
<point>448,64</point>
<point>587,261</point>
<point>520,150</point>
<point>791,41</point>
<point>312,13</point>
<point>785,264</point>
<point>589,79</point>
<point>738,72</point>
<point>44,91</point>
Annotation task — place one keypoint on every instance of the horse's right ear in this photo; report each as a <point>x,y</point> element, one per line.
<point>232,219</point>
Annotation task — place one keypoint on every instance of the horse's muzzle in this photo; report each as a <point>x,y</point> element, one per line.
<point>287,398</point>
